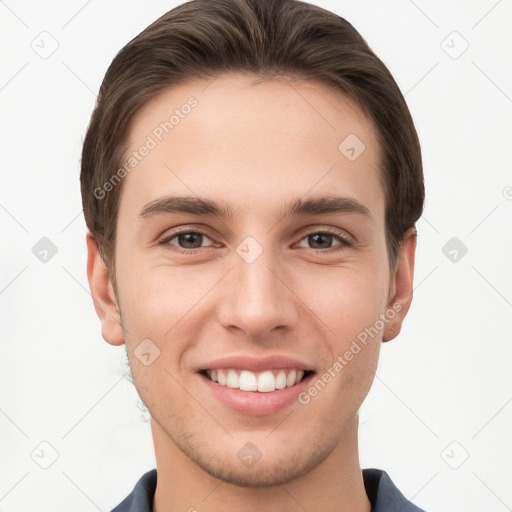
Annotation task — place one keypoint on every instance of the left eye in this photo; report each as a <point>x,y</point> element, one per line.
<point>323,240</point>
<point>188,239</point>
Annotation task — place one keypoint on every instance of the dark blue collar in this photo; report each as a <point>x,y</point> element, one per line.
<point>382,493</point>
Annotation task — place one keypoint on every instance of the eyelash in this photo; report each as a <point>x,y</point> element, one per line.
<point>345,242</point>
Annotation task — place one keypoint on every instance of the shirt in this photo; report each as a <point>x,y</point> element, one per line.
<point>382,493</point>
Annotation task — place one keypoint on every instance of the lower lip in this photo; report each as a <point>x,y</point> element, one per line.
<point>255,403</point>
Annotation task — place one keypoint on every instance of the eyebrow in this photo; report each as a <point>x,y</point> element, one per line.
<point>222,210</point>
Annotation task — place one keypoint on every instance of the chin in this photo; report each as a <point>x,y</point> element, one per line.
<point>249,466</point>
<point>262,474</point>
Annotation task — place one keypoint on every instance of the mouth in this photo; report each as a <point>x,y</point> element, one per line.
<point>256,386</point>
<point>266,381</point>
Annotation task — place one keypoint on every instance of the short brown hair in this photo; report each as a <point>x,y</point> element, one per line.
<point>202,39</point>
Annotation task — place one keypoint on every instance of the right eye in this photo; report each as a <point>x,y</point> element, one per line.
<point>186,240</point>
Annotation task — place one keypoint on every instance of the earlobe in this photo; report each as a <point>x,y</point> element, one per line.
<point>104,299</point>
<point>401,286</point>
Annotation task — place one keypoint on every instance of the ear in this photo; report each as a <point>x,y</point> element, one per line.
<point>103,296</point>
<point>401,286</point>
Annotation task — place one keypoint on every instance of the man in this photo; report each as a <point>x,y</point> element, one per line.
<point>251,179</point>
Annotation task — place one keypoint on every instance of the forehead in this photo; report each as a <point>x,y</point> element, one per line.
<point>257,141</point>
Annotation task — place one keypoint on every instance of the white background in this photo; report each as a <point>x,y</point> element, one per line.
<point>443,389</point>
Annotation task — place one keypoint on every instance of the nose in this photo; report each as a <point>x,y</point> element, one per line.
<point>257,298</point>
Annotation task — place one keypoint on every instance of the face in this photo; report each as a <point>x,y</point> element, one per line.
<point>268,270</point>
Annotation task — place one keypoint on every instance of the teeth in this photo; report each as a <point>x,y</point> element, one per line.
<point>264,382</point>
<point>290,380</point>
<point>248,381</point>
<point>281,380</point>
<point>232,379</point>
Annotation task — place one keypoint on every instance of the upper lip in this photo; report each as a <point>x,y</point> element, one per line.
<point>253,364</point>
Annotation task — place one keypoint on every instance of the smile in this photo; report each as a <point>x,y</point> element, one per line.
<point>263,382</point>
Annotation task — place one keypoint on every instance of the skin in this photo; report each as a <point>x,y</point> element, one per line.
<point>254,146</point>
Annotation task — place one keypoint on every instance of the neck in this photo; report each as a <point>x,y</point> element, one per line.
<point>336,484</point>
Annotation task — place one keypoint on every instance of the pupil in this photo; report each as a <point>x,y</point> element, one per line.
<point>320,236</point>
<point>188,238</point>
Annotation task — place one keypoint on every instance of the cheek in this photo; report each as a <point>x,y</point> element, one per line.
<point>348,302</point>
<point>161,305</point>
<point>167,305</point>
<point>347,299</point>
<point>156,296</point>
